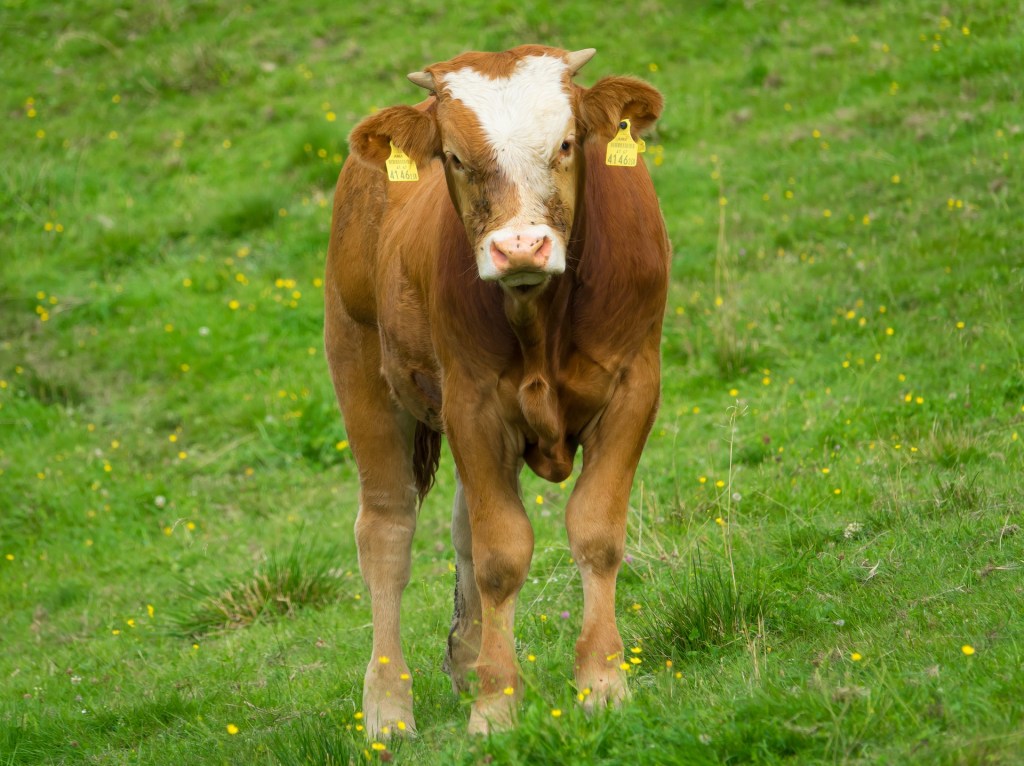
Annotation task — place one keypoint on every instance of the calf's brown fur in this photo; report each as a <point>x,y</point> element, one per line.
<point>419,345</point>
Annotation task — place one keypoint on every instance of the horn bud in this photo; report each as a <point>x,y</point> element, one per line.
<point>424,79</point>
<point>577,59</point>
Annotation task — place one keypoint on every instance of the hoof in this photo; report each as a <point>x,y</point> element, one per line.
<point>493,715</point>
<point>383,721</point>
<point>387,703</point>
<point>603,688</point>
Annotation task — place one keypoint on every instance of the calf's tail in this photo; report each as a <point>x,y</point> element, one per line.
<point>426,453</point>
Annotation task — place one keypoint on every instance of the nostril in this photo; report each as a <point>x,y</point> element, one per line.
<point>498,257</point>
<point>543,252</point>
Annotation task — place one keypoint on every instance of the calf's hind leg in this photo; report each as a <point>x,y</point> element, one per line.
<point>464,638</point>
<point>381,438</point>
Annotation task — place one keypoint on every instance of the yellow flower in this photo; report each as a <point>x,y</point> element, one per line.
<point>967,649</point>
<point>509,691</point>
<point>556,713</point>
<point>856,657</point>
<point>383,660</point>
<point>150,610</point>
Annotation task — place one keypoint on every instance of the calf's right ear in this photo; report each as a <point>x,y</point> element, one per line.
<point>411,130</point>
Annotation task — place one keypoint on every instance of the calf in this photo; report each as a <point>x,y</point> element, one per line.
<point>497,273</point>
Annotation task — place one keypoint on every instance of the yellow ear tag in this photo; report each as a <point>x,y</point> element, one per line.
<point>622,149</point>
<point>400,166</point>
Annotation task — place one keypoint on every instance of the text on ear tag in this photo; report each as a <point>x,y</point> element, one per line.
<point>400,166</point>
<point>622,149</point>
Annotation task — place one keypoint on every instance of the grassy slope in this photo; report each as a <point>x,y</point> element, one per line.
<point>188,152</point>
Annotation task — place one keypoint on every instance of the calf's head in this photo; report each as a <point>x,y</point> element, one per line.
<point>510,129</point>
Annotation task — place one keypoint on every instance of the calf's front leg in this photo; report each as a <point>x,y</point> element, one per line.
<point>502,547</point>
<point>381,436</point>
<point>595,521</point>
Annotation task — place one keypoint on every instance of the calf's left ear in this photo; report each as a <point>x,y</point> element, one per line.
<point>613,99</point>
<point>411,130</point>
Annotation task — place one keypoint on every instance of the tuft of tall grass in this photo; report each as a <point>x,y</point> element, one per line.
<point>699,610</point>
<point>324,742</point>
<point>305,577</point>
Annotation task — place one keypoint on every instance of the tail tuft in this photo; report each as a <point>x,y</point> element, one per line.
<point>426,454</point>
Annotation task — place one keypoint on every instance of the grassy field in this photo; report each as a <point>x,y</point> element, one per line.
<point>826,547</point>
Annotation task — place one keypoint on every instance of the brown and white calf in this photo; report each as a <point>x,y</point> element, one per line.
<point>511,299</point>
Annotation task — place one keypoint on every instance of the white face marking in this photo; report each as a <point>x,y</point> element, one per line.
<point>525,118</point>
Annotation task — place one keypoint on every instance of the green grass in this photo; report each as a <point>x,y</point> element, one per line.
<point>843,389</point>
